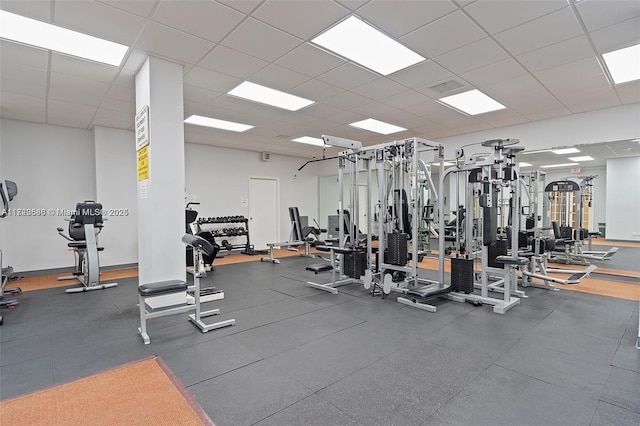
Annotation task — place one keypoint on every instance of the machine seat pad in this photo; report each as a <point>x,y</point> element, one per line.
<point>162,287</point>
<point>320,247</point>
<point>508,260</point>
<point>428,290</point>
<point>319,267</point>
<point>77,244</point>
<point>526,254</point>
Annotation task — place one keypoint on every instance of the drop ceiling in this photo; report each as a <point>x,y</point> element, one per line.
<point>538,58</point>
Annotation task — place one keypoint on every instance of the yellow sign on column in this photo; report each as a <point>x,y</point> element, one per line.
<point>143,163</point>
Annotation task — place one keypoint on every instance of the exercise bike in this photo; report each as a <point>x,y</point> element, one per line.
<point>84,226</point>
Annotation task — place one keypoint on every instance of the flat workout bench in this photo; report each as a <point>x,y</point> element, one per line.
<point>162,288</point>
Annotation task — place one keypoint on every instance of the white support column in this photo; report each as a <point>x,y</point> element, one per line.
<point>161,189</point>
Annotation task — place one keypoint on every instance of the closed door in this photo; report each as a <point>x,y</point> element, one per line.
<point>263,211</point>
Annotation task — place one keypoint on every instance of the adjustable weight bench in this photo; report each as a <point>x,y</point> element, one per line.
<point>161,288</point>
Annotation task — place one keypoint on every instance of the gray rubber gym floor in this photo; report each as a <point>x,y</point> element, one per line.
<point>300,356</point>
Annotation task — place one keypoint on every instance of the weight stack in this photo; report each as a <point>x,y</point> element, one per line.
<point>462,275</point>
<point>355,263</point>
<point>498,249</point>
<point>397,253</point>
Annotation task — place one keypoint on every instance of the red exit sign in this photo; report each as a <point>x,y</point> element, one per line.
<point>575,170</point>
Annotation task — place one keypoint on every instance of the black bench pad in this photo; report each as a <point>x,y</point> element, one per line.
<point>508,260</point>
<point>428,291</point>
<point>162,287</point>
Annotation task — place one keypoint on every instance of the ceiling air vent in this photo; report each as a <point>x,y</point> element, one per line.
<point>447,86</point>
<point>284,136</point>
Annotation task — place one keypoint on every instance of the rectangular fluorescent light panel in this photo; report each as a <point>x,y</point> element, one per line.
<point>361,43</point>
<point>40,34</point>
<point>565,151</point>
<point>199,120</point>
<point>624,64</point>
<point>377,126</point>
<point>446,163</point>
<point>534,152</point>
<point>524,164</point>
<point>553,166</point>
<point>583,158</point>
<point>473,102</point>
<point>265,95</point>
<point>309,140</point>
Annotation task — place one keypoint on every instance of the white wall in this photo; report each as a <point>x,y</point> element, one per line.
<point>53,167</point>
<point>218,178</point>
<point>610,124</point>
<point>623,199</point>
<point>116,179</point>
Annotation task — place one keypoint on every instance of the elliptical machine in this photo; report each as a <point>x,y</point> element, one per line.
<point>84,226</point>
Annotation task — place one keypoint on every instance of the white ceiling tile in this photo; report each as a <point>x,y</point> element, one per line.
<point>348,76</point>
<point>118,105</point>
<point>320,110</point>
<point>64,64</point>
<point>174,45</point>
<point>405,99</point>
<point>198,95</point>
<point>494,73</point>
<point>377,109</point>
<point>316,89</point>
<point>98,20</point>
<point>126,79</point>
<point>475,55</point>
<point>278,78</point>
<point>448,33</point>
<point>310,60</point>
<point>231,62</point>
<point>398,17</point>
<point>211,80</point>
<point>303,19</point>
<point>514,88</point>
<point>346,117</point>
<point>15,72</point>
<point>353,4</point>
<point>535,102</point>
<point>79,84</point>
<point>629,92</point>
<point>557,54</point>
<point>207,19</point>
<point>244,6</point>
<point>498,15</point>
<point>549,29</point>
<point>135,59</point>
<point>502,118</point>
<point>347,100</point>
<point>24,87</point>
<point>380,89</point>
<point>617,36</point>
<point>545,113</point>
<point>437,94</point>
<point>72,96</point>
<point>585,74</point>
<point>24,55</point>
<point>215,112</point>
<point>602,97</point>
<point>599,14</point>
<point>421,74</point>
<point>59,111</point>
<point>34,111</point>
<point>139,7</point>
<point>260,40</point>
<point>35,9</point>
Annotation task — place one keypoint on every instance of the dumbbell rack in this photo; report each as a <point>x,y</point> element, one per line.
<point>221,230</point>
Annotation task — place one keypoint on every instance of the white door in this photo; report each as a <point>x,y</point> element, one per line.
<point>263,211</point>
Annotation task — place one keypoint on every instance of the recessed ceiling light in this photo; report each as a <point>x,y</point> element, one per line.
<point>552,166</point>
<point>583,158</point>
<point>535,152</point>
<point>563,151</point>
<point>524,164</point>
<point>473,102</point>
<point>360,42</point>
<point>377,126</point>
<point>40,34</point>
<point>624,64</point>
<point>199,120</point>
<point>265,95</point>
<point>310,140</point>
